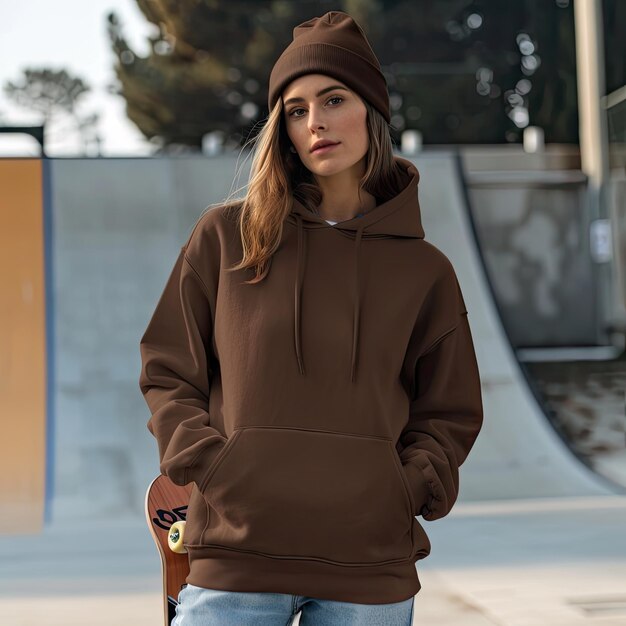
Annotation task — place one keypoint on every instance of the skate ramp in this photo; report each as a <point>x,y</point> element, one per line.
<point>518,453</point>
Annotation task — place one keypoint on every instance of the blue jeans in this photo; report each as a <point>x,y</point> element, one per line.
<point>207,607</point>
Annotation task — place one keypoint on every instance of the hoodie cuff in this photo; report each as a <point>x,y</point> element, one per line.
<point>199,471</point>
<point>419,486</point>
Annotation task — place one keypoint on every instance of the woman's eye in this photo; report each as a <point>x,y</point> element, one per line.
<point>300,109</point>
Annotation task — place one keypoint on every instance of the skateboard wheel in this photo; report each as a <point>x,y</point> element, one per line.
<point>175,537</point>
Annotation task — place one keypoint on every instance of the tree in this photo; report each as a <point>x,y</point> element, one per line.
<point>54,94</point>
<point>479,71</point>
<point>207,70</point>
<point>460,71</point>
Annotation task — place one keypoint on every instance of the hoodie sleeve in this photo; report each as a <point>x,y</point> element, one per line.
<point>175,375</point>
<point>445,410</point>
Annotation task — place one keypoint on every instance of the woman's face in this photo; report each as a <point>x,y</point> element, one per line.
<point>317,107</point>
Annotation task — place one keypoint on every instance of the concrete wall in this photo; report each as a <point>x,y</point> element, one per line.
<point>535,242</point>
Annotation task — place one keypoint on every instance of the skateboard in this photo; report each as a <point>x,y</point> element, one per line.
<point>166,513</point>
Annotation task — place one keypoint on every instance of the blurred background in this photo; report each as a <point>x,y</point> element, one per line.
<point>122,120</point>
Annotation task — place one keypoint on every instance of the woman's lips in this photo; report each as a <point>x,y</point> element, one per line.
<point>324,149</point>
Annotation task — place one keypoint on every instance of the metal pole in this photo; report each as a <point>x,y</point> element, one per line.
<point>594,155</point>
<point>591,89</point>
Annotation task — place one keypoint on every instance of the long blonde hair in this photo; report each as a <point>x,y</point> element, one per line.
<point>277,173</point>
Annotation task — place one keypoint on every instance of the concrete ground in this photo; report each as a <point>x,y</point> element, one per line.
<point>544,562</point>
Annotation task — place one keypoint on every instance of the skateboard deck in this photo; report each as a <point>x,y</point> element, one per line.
<point>166,512</point>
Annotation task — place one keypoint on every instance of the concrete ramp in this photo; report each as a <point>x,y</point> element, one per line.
<point>518,454</point>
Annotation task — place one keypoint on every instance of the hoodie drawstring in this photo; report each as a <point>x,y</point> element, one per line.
<point>298,292</point>
<point>357,302</point>
<point>298,297</point>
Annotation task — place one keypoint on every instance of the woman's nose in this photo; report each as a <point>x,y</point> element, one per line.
<point>316,119</point>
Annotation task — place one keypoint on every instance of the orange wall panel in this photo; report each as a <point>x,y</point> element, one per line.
<point>22,346</point>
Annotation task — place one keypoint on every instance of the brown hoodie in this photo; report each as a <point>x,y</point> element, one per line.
<point>319,411</point>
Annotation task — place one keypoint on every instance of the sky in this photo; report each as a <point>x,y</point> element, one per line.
<point>70,35</point>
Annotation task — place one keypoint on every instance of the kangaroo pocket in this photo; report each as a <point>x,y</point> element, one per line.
<point>309,494</point>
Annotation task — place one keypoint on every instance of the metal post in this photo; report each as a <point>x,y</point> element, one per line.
<point>591,90</point>
<point>594,155</point>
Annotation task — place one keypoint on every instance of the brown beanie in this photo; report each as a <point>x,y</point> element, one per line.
<point>333,44</point>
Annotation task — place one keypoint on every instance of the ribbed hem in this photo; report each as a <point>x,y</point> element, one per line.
<point>230,570</point>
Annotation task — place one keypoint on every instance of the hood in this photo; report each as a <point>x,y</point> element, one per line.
<point>400,216</point>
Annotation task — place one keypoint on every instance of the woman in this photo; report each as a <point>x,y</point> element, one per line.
<point>309,365</point>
